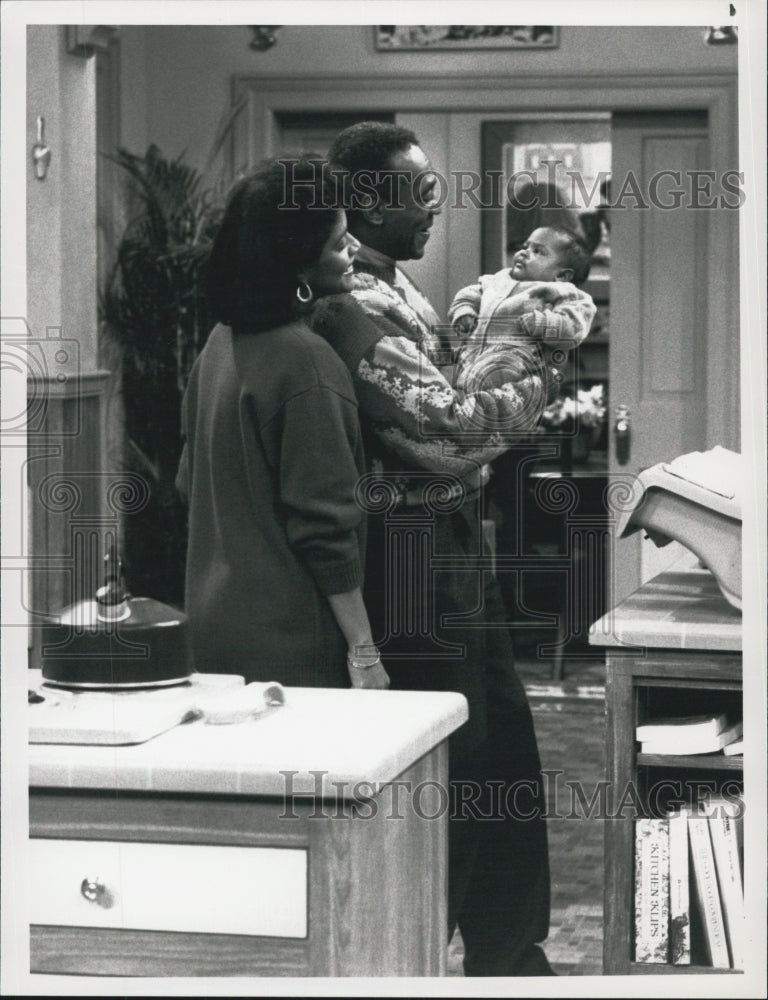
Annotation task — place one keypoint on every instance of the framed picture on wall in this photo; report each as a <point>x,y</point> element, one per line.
<point>400,37</point>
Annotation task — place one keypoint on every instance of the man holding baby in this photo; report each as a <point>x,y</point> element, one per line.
<point>437,616</point>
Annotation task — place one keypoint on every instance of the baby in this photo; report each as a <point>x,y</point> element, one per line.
<point>534,300</point>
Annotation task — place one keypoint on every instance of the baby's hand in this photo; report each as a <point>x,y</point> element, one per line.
<point>547,294</point>
<point>465,324</point>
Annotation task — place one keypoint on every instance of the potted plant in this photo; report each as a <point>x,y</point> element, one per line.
<point>153,308</point>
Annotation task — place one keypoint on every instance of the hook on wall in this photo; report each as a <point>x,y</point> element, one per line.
<point>263,36</point>
<point>41,154</point>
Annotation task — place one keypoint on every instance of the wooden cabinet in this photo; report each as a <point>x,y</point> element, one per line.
<point>223,886</point>
<point>309,843</point>
<point>673,647</point>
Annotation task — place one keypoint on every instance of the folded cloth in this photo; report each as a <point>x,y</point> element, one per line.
<point>121,716</point>
<point>241,704</point>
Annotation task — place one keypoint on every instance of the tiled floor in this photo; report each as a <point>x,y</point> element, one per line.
<point>569,719</point>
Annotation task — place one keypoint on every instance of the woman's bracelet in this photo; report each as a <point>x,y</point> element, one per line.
<point>352,663</point>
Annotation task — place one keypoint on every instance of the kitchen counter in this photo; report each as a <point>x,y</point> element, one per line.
<point>351,736</point>
<point>682,608</point>
<point>191,854</point>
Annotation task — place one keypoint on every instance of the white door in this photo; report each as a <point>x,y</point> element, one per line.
<point>658,315</point>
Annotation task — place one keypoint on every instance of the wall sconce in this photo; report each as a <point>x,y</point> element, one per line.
<point>721,35</point>
<point>41,154</point>
<point>263,36</point>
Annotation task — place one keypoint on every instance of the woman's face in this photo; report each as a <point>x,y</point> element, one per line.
<point>333,271</point>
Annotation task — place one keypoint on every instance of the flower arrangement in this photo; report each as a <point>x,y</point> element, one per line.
<point>587,410</point>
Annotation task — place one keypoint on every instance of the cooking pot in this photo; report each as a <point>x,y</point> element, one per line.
<point>116,640</point>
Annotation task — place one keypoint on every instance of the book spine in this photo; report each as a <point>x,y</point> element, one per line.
<point>679,896</point>
<point>651,890</point>
<point>707,892</point>
<point>722,829</point>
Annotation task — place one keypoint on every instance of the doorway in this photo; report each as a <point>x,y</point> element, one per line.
<point>556,171</point>
<point>644,358</point>
<point>450,115</point>
<point>299,132</point>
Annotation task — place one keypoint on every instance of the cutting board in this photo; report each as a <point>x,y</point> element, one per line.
<point>114,718</point>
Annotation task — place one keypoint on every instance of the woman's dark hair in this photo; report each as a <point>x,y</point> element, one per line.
<point>276,222</point>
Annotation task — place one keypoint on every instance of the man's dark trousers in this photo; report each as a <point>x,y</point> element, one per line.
<point>499,891</point>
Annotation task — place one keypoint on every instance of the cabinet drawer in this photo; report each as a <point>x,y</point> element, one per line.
<point>169,887</point>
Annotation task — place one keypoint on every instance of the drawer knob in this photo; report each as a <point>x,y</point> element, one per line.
<point>94,891</point>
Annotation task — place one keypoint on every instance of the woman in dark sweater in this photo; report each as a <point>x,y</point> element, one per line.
<point>273,452</point>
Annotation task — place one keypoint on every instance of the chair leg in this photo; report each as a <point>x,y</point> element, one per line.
<point>558,666</point>
<point>557,662</point>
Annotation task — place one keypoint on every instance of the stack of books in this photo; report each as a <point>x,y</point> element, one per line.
<point>691,734</point>
<point>689,893</point>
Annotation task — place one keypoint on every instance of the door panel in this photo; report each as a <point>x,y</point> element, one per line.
<point>658,310</point>
<point>300,132</point>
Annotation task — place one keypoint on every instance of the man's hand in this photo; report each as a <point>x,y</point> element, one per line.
<point>465,324</point>
<point>548,294</point>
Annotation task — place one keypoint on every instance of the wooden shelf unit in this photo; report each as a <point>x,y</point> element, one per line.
<point>697,762</point>
<point>675,634</point>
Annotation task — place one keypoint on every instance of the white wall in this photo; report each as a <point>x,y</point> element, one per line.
<point>61,210</point>
<point>177,78</point>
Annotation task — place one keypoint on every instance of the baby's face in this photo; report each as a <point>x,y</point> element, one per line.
<point>539,257</point>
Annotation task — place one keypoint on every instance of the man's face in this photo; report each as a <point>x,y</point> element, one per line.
<point>408,220</point>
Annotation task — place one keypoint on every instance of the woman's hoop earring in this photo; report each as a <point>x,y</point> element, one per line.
<point>307,296</point>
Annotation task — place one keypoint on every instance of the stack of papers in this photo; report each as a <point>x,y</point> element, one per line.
<point>717,470</point>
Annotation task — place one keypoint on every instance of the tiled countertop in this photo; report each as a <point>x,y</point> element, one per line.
<point>346,737</point>
<point>680,609</point>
